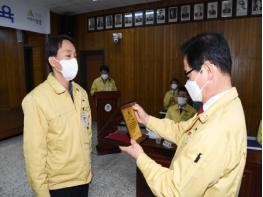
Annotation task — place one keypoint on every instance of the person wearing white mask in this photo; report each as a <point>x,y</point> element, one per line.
<point>170,97</point>
<point>211,146</point>
<point>57,127</point>
<point>182,111</point>
<point>104,82</point>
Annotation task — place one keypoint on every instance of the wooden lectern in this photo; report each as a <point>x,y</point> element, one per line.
<point>108,119</point>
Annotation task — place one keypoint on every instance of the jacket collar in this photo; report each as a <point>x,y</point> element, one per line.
<point>109,79</point>
<point>223,101</point>
<point>203,117</point>
<point>184,108</point>
<point>53,82</point>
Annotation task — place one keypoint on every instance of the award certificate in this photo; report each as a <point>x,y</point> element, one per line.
<point>131,122</point>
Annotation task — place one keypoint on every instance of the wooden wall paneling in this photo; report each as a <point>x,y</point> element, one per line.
<point>139,50</point>
<point>153,54</point>
<point>55,23</point>
<point>3,71</point>
<point>158,69</point>
<point>14,69</point>
<point>12,83</point>
<point>126,70</point>
<point>37,66</point>
<point>246,72</point>
<point>40,68</point>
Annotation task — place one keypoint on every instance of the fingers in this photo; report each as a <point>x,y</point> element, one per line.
<point>137,116</point>
<point>133,150</point>
<point>124,148</point>
<point>135,107</point>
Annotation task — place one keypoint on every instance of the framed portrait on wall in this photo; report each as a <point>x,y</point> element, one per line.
<point>212,10</point>
<point>109,22</point>
<point>256,7</point>
<point>138,18</point>
<point>226,8</point>
<point>172,14</point>
<point>118,20</point>
<point>241,8</point>
<point>199,11</point>
<point>149,17</point>
<point>91,24</point>
<point>100,23</point>
<point>128,19</point>
<point>185,12</point>
<point>160,15</point>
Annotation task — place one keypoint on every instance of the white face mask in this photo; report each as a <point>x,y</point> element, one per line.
<point>181,100</point>
<point>69,68</point>
<point>194,91</point>
<point>173,86</point>
<point>104,76</point>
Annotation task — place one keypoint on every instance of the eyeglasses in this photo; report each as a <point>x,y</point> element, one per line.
<point>188,73</point>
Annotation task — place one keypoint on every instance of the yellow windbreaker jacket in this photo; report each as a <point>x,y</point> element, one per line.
<point>170,98</point>
<point>98,85</point>
<point>174,114</point>
<point>57,137</point>
<point>210,155</point>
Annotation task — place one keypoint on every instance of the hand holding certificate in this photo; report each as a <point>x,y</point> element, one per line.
<point>132,123</point>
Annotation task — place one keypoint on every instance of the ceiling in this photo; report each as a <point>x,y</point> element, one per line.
<point>71,7</point>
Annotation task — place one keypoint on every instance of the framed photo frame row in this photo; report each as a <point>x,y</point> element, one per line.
<point>200,11</point>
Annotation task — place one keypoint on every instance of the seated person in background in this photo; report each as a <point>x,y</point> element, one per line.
<point>181,111</point>
<point>170,97</point>
<point>104,82</point>
<point>259,136</point>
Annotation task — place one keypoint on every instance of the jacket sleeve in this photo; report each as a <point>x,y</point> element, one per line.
<point>93,88</point>
<point>166,128</point>
<point>166,100</point>
<point>35,146</point>
<point>186,177</point>
<point>168,114</point>
<point>90,125</point>
<point>114,87</point>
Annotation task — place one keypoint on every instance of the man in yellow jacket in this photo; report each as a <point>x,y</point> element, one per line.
<point>211,146</point>
<point>57,128</point>
<point>181,111</point>
<point>259,135</point>
<point>104,82</point>
<point>170,97</point>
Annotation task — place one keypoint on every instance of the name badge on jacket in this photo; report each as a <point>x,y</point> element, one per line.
<point>84,119</point>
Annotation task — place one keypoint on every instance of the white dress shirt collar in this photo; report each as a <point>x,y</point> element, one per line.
<point>213,99</point>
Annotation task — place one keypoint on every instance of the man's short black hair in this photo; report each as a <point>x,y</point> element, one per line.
<point>183,89</point>
<point>53,45</point>
<point>208,46</point>
<point>174,80</point>
<point>104,68</point>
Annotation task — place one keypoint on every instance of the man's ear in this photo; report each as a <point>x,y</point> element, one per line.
<point>51,61</point>
<point>211,69</point>
<point>54,63</point>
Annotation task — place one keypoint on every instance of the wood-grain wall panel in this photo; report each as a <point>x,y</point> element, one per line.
<point>148,57</point>
<point>12,73</point>
<point>12,84</point>
<point>39,67</point>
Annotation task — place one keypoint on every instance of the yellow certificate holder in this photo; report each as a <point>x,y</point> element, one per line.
<point>132,123</point>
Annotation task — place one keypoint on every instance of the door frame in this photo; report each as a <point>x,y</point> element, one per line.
<point>83,64</point>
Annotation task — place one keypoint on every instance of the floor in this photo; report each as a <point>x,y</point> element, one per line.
<point>114,174</point>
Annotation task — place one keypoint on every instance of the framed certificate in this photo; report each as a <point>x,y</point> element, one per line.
<point>132,123</point>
